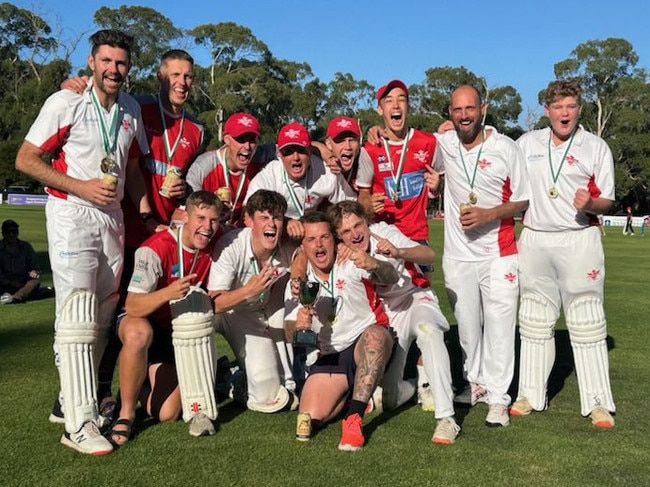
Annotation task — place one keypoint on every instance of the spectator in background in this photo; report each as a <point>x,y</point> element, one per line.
<point>19,270</point>
<point>629,228</point>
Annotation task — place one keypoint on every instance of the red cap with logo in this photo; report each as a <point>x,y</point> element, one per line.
<point>293,134</point>
<point>241,123</point>
<point>341,125</point>
<point>384,90</point>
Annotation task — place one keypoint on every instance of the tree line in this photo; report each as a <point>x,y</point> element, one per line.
<point>244,75</point>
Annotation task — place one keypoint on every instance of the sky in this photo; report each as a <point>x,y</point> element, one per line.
<point>507,42</point>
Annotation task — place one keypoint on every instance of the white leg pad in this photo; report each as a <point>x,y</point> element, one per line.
<point>537,318</point>
<point>281,401</point>
<point>193,339</point>
<point>585,319</point>
<point>75,338</point>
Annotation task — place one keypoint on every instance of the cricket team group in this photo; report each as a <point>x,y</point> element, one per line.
<point>311,258</point>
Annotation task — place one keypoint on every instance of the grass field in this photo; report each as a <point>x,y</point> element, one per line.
<point>556,448</point>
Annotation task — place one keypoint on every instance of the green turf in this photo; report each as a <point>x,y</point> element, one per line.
<point>556,448</point>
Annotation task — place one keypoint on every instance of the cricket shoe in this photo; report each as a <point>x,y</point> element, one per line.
<point>351,433</point>
<point>601,418</point>
<point>521,407</point>
<point>425,398</point>
<point>497,416</point>
<point>471,395</point>
<point>201,425</point>
<point>56,416</point>
<point>446,431</point>
<point>87,440</point>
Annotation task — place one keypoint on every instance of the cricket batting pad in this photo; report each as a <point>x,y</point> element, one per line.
<point>75,341</point>
<point>585,319</point>
<point>193,339</point>
<point>280,402</point>
<point>536,321</point>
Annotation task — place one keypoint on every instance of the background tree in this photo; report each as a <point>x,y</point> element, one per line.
<point>26,79</point>
<point>600,65</point>
<point>616,107</point>
<point>153,34</point>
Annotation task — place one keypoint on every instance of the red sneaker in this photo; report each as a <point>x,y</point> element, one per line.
<point>351,433</point>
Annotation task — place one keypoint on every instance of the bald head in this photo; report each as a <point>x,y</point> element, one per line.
<point>466,111</point>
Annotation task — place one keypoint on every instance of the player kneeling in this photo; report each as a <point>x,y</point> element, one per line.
<point>167,331</point>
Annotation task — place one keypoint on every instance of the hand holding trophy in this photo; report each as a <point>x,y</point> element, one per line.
<point>308,295</point>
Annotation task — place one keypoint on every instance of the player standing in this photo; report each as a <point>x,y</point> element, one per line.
<point>96,139</point>
<point>562,263</point>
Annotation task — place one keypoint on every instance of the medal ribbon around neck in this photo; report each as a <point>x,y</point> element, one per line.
<point>170,151</point>
<point>292,193</point>
<point>226,174</point>
<point>179,253</point>
<point>471,180</point>
<point>330,287</point>
<point>556,175</point>
<point>109,134</point>
<point>397,179</point>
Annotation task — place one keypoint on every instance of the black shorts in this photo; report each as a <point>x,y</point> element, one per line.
<point>343,362</point>
<point>162,347</point>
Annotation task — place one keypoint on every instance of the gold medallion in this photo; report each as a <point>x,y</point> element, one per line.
<point>464,206</point>
<point>553,192</point>
<point>472,198</point>
<point>107,165</point>
<point>395,196</point>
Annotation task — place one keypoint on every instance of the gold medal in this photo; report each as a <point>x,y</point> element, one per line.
<point>472,198</point>
<point>464,206</point>
<point>107,165</point>
<point>395,196</point>
<point>553,192</point>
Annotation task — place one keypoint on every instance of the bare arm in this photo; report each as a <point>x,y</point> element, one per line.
<point>29,160</point>
<point>141,305</point>
<point>418,254</point>
<point>584,202</point>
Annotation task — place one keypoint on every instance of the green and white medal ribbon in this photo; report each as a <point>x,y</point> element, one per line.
<point>179,254</point>
<point>330,287</point>
<point>170,151</point>
<point>553,192</point>
<point>226,174</point>
<point>397,179</point>
<point>108,132</point>
<point>472,196</point>
<point>292,194</point>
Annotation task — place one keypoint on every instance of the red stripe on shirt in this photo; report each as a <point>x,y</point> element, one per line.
<point>506,235</point>
<point>381,318</point>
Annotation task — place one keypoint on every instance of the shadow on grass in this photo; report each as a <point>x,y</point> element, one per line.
<point>562,368</point>
<point>19,334</point>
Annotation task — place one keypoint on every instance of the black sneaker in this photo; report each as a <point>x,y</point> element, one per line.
<point>56,416</point>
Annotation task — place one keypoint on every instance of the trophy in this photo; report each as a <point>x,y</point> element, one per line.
<point>307,338</point>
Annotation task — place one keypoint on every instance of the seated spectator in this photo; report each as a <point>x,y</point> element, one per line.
<point>20,275</point>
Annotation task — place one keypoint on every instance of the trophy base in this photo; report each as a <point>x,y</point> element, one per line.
<point>305,338</point>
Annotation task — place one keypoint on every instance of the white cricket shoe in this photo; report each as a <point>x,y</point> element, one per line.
<point>446,431</point>
<point>601,418</point>
<point>471,395</point>
<point>6,298</point>
<point>87,440</point>
<point>201,425</point>
<point>425,398</point>
<point>497,416</point>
